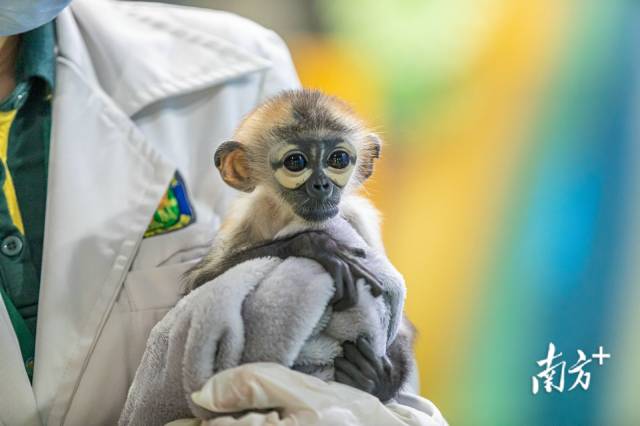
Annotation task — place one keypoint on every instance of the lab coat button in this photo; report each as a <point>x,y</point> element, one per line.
<point>11,246</point>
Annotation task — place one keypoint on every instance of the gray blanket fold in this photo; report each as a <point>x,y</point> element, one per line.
<point>264,309</point>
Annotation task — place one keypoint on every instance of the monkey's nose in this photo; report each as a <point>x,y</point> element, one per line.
<point>319,188</point>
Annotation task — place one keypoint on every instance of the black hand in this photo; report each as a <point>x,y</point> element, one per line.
<point>340,261</point>
<point>380,376</point>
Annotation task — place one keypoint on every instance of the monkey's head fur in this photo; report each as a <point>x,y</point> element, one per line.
<point>303,147</point>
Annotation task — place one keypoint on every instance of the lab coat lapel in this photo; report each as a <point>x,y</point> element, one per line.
<point>17,403</point>
<point>105,182</point>
<point>105,178</point>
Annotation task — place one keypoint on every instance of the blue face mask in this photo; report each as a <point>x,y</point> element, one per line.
<point>19,16</point>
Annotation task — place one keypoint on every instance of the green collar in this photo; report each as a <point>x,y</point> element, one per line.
<point>36,60</point>
<point>36,57</point>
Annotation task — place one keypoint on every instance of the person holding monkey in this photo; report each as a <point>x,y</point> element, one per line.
<point>109,121</point>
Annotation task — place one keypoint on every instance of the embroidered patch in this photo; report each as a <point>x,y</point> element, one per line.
<point>174,211</point>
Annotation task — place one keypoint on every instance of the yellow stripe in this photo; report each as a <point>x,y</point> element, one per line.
<point>6,118</point>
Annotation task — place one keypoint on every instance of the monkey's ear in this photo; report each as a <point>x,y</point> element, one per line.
<point>371,151</point>
<point>375,145</point>
<point>231,160</point>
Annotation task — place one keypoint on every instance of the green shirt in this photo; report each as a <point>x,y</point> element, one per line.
<point>23,179</point>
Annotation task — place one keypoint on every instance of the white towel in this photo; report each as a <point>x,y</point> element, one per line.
<point>262,310</point>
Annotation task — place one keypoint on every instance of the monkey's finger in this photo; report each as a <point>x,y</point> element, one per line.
<point>366,349</point>
<point>350,294</point>
<point>352,354</point>
<point>362,272</point>
<point>338,282</point>
<point>386,364</point>
<point>354,251</point>
<point>342,377</point>
<point>350,286</point>
<point>361,381</point>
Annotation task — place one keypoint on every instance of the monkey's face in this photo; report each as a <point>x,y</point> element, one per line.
<point>304,147</point>
<point>311,174</point>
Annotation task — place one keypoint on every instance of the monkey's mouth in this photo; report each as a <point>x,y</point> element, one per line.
<point>318,213</point>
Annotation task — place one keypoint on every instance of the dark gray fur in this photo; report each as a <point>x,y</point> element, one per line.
<point>310,115</point>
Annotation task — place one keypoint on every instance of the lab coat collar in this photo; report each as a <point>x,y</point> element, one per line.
<point>140,55</point>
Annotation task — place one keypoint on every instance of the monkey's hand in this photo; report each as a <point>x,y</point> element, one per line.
<point>380,376</point>
<point>340,261</point>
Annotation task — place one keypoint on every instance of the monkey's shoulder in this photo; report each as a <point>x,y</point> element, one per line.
<point>364,217</point>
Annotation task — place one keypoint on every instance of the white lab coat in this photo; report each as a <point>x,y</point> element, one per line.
<point>142,90</point>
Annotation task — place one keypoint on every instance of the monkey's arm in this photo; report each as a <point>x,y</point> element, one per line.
<point>340,261</point>
<point>383,376</point>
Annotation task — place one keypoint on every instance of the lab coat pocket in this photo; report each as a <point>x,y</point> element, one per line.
<point>178,246</point>
<point>156,288</point>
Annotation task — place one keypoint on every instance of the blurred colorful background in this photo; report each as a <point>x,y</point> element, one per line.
<point>509,185</point>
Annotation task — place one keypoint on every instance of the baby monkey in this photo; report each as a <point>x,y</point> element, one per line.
<point>299,157</point>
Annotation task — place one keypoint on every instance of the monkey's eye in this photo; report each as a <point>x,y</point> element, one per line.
<point>295,162</point>
<point>339,159</point>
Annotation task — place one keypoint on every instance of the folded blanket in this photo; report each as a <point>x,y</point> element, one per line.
<point>264,309</point>
<point>257,388</point>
